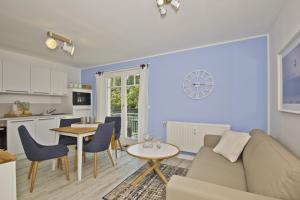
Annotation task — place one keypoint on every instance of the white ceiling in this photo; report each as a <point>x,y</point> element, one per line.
<point>107,31</point>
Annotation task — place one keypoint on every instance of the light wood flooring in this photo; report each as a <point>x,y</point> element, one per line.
<point>52,185</point>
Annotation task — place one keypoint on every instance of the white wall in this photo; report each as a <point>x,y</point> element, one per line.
<point>283,126</point>
<point>73,76</point>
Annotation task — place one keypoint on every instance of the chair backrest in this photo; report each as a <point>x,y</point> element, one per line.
<point>30,146</point>
<point>117,121</point>
<point>102,137</point>
<point>68,121</point>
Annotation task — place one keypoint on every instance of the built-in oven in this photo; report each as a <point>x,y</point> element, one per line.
<point>81,98</point>
<point>3,138</point>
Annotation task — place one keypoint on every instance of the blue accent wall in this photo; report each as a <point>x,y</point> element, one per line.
<point>239,97</point>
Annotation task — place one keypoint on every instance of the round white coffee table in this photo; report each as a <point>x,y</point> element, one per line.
<point>154,156</point>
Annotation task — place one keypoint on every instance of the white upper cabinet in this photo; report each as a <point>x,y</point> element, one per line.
<point>16,77</point>
<point>59,83</point>
<point>40,80</point>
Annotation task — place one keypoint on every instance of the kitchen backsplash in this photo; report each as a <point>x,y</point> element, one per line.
<point>35,108</point>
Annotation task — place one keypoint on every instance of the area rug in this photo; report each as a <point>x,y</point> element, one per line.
<point>151,188</point>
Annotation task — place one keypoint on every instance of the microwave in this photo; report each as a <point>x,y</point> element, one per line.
<point>81,98</point>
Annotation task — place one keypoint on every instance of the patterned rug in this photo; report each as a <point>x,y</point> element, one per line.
<point>151,188</point>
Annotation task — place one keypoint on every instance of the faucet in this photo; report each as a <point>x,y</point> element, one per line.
<point>50,110</point>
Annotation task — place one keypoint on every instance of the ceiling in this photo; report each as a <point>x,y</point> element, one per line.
<point>107,31</point>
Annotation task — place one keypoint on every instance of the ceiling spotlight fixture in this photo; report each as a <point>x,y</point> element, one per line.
<point>51,43</point>
<point>161,3</point>
<point>67,44</point>
<point>175,4</point>
<point>162,10</point>
<point>68,48</point>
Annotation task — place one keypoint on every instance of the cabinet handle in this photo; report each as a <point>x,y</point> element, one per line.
<point>47,118</point>
<point>29,120</point>
<point>16,91</point>
<point>41,92</point>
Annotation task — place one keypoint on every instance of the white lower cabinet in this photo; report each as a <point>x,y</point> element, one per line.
<point>43,135</point>
<point>14,144</point>
<point>8,189</point>
<point>39,129</point>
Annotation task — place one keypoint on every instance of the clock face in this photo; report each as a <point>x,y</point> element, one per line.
<point>198,84</point>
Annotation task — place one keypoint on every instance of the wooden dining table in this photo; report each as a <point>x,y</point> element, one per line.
<point>80,134</point>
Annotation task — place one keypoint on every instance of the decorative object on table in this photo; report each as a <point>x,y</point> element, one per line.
<point>71,85</point>
<point>148,141</point>
<point>86,125</point>
<point>151,188</point>
<point>289,76</point>
<point>157,143</point>
<point>161,5</point>
<point>86,86</point>
<point>198,84</point>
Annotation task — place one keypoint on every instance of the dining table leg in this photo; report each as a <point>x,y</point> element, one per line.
<point>55,142</point>
<point>79,157</point>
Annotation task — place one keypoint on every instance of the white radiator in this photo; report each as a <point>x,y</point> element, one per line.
<point>189,137</point>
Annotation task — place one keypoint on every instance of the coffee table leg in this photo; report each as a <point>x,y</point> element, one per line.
<point>143,175</point>
<point>153,166</point>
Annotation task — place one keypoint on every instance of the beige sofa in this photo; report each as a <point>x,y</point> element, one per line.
<point>265,171</point>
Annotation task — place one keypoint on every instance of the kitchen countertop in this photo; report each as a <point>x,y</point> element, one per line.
<point>33,117</point>
<point>6,157</point>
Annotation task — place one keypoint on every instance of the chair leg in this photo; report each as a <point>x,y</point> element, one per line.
<point>33,177</point>
<point>67,168</point>
<point>95,165</point>
<point>75,161</point>
<point>59,164</point>
<point>84,157</point>
<point>116,152</point>
<point>110,157</point>
<point>120,145</point>
<point>30,170</point>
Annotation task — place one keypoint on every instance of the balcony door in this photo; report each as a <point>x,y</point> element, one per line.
<point>122,100</point>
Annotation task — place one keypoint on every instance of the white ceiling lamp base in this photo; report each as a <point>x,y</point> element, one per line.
<point>67,44</point>
<point>161,3</point>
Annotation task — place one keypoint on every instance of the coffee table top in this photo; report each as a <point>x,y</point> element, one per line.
<point>154,153</point>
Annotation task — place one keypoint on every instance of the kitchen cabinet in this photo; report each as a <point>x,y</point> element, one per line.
<point>59,83</point>
<point>14,144</point>
<point>8,189</point>
<point>16,76</point>
<point>40,80</point>
<point>43,135</point>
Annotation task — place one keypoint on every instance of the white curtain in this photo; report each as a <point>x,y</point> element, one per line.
<point>101,97</point>
<point>143,104</point>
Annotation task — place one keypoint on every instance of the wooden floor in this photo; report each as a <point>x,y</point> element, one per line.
<point>52,185</point>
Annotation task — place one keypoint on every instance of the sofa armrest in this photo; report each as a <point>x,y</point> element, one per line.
<point>211,140</point>
<point>186,188</point>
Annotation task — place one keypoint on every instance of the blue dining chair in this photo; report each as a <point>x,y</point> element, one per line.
<point>67,140</point>
<point>100,142</point>
<point>117,127</point>
<point>36,153</point>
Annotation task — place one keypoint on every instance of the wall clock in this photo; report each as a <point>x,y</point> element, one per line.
<point>198,84</point>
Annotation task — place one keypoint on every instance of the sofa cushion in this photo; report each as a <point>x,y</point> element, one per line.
<point>232,144</point>
<point>270,169</point>
<point>214,168</point>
